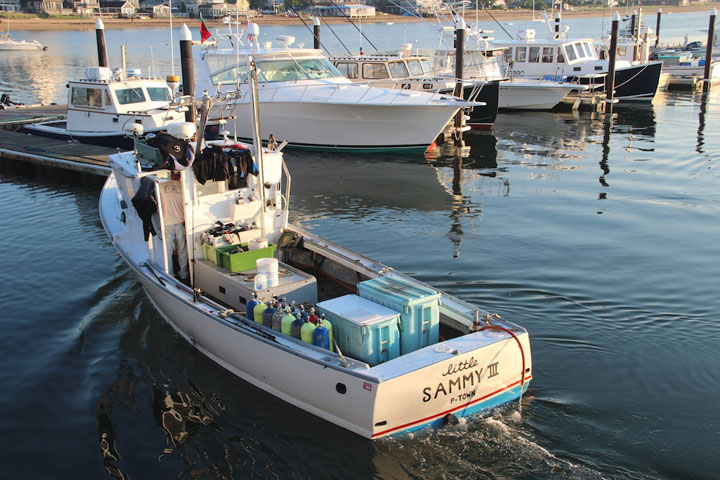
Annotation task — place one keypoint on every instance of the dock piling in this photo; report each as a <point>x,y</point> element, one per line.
<point>709,52</point>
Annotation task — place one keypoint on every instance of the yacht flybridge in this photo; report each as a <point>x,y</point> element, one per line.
<point>309,103</point>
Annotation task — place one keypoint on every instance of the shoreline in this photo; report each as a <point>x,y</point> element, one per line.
<point>60,24</point>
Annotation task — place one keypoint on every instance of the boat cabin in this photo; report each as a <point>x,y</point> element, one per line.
<point>107,101</point>
<point>393,71</point>
<point>530,57</point>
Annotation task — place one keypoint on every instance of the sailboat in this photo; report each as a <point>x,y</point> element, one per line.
<point>7,43</point>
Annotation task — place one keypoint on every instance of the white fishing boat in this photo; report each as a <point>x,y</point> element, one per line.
<point>404,355</point>
<point>578,61</point>
<point>106,102</point>
<point>308,102</point>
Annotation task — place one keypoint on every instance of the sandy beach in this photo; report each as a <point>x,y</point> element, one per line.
<point>500,15</point>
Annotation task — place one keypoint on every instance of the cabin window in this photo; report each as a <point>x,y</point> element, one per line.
<point>375,71</point>
<point>521,54</point>
<point>589,49</point>
<point>86,97</point>
<point>349,70</point>
<point>398,70</point>
<point>560,56</point>
<point>534,56</point>
<point>570,53</point>
<point>127,96</point>
<point>415,67</point>
<point>547,54</point>
<point>159,94</point>
<point>280,71</point>
<point>230,76</point>
<point>318,68</point>
<point>427,68</point>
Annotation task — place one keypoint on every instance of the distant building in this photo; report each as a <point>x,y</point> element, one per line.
<point>154,9</point>
<point>354,10</point>
<point>86,7</point>
<point>42,7</point>
<point>119,8</point>
<point>221,9</point>
<point>10,6</point>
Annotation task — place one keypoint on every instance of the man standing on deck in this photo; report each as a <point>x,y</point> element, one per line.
<point>174,218</point>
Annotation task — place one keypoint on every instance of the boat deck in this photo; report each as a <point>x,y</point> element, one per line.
<point>45,151</point>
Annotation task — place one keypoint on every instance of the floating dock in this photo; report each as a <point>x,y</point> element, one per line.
<point>15,145</point>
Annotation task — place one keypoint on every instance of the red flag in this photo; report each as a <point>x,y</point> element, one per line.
<point>204,32</point>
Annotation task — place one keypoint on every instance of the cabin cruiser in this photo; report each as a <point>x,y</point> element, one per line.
<point>328,330</point>
<point>309,103</point>
<point>105,105</point>
<point>578,61</point>
<point>414,72</point>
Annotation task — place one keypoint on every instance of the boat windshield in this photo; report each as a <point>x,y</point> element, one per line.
<point>159,94</point>
<point>398,70</point>
<point>276,70</point>
<point>126,96</point>
<point>419,67</point>
<point>570,53</point>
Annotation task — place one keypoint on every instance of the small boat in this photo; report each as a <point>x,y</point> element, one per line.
<point>105,105</point>
<point>7,43</point>
<point>403,356</point>
<point>308,102</point>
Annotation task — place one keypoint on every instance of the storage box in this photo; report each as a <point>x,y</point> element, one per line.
<point>239,262</point>
<point>237,290</point>
<point>363,329</point>
<point>418,305</point>
<point>210,253</point>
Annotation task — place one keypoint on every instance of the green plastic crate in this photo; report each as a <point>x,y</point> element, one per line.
<point>239,262</point>
<point>210,253</point>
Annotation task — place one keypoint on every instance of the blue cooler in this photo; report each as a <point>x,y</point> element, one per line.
<point>419,308</point>
<point>363,329</point>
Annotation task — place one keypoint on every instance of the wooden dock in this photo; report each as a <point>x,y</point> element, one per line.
<point>15,145</point>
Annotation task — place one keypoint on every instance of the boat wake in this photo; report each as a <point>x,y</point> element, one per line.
<point>499,446</point>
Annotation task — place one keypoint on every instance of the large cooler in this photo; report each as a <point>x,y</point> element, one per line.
<point>363,329</point>
<point>419,309</point>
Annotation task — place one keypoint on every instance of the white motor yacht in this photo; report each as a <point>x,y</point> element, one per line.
<point>309,103</point>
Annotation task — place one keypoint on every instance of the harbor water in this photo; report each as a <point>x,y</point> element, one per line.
<point>598,233</point>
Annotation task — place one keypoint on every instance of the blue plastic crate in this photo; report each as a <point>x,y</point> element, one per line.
<point>418,305</point>
<point>363,329</point>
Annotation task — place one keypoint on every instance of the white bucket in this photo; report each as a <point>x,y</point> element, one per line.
<point>257,243</point>
<point>268,266</point>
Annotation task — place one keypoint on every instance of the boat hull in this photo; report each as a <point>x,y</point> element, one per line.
<point>483,117</point>
<point>636,83</point>
<point>103,139</point>
<point>521,95</point>
<point>370,406</point>
<point>347,127</point>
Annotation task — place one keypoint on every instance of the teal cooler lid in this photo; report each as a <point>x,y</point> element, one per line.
<point>398,290</point>
<point>358,310</point>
